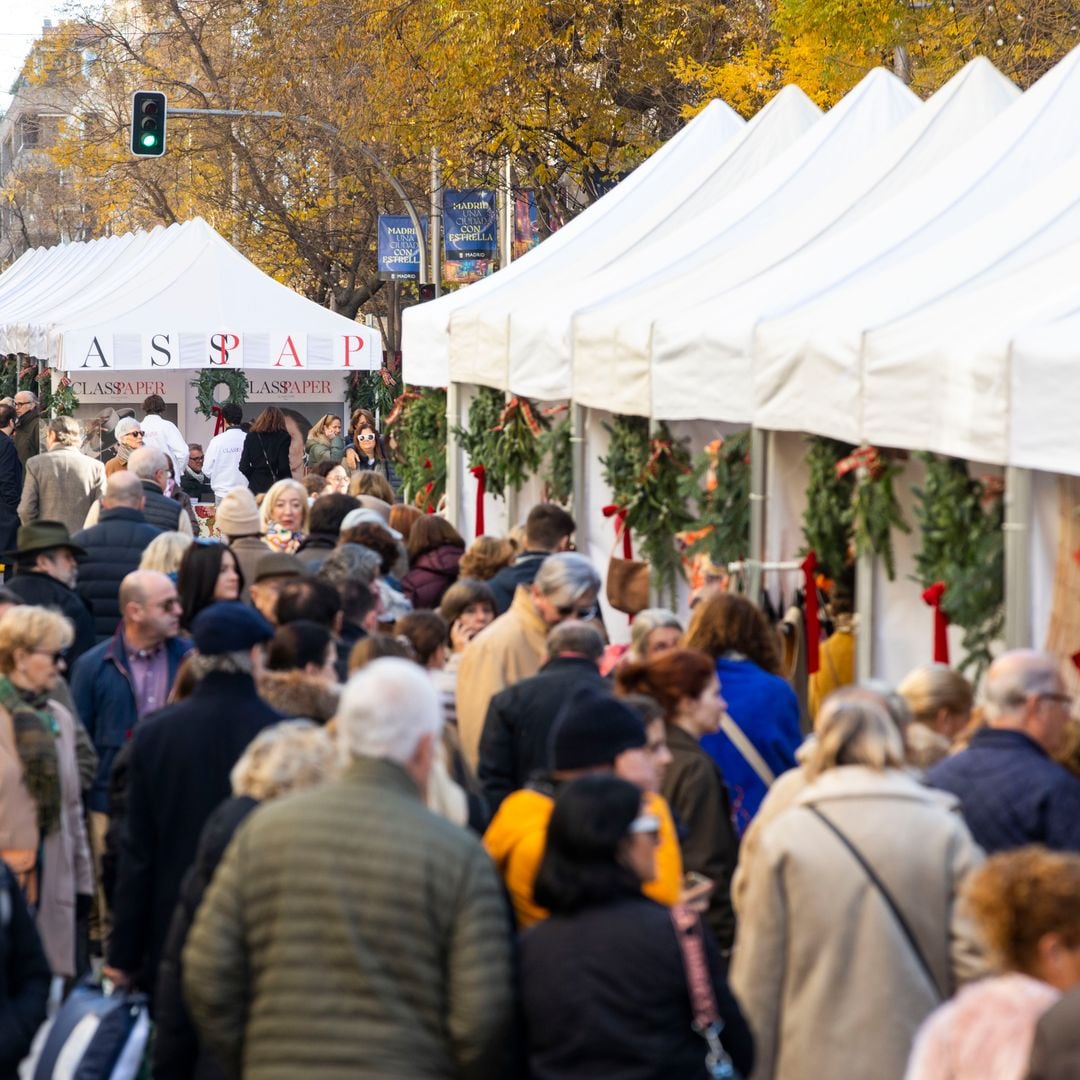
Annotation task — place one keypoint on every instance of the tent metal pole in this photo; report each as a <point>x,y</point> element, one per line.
<point>759,465</point>
<point>577,464</point>
<point>865,569</point>
<point>1017,527</point>
<point>435,222</point>
<point>453,455</point>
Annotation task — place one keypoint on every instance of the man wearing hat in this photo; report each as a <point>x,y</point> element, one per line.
<point>273,571</point>
<point>46,572</point>
<point>594,733</point>
<point>179,770</point>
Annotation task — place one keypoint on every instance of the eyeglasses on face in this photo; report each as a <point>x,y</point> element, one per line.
<point>1061,699</point>
<point>55,655</point>
<point>134,434</point>
<point>577,611</point>
<point>366,438</point>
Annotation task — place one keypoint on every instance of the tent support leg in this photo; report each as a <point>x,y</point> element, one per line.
<point>1017,558</point>
<point>865,567</point>
<point>759,466</point>
<point>577,465</point>
<point>453,455</point>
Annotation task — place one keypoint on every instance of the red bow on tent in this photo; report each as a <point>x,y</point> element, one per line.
<point>399,404</point>
<point>813,622</point>
<point>933,596</point>
<point>481,488</point>
<point>619,514</point>
<point>865,457</point>
<point>219,419</point>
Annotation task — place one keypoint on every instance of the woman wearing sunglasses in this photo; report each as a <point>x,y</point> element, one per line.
<point>366,453</point>
<point>604,988</point>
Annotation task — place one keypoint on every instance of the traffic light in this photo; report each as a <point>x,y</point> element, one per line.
<point>147,123</point>
<point>427,291</point>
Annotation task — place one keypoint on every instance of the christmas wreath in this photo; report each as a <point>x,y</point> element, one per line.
<point>210,379</point>
<point>417,425</point>
<point>645,475</point>
<point>961,563</point>
<point>719,484</point>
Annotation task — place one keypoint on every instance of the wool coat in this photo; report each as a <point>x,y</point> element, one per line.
<point>65,864</point>
<point>510,649</point>
<point>265,459</point>
<point>42,590</point>
<point>330,951</point>
<point>61,485</point>
<point>1055,1054</point>
<point>11,485</point>
<point>822,970</point>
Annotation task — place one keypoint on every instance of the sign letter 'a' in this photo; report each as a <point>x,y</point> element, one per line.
<point>148,123</point>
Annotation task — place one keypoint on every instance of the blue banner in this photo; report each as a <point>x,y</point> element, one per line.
<point>399,253</point>
<point>470,223</point>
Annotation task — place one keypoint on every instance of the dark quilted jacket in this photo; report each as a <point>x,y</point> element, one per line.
<point>431,575</point>
<point>113,549</point>
<point>160,511</point>
<point>330,951</point>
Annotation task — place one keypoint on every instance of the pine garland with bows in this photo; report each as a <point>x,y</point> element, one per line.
<point>417,422</point>
<point>645,476</point>
<point>558,451</point>
<point>719,484</point>
<point>375,391</point>
<point>960,519</point>
<point>59,402</point>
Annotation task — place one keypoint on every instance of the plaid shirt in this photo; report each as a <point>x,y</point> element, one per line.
<point>1011,792</point>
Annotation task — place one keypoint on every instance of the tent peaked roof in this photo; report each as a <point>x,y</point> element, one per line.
<point>425,327</point>
<point>155,300</point>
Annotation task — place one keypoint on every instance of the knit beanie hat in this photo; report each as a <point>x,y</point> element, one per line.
<point>238,514</point>
<point>593,729</point>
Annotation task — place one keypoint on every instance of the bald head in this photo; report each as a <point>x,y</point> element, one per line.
<point>1024,691</point>
<point>150,608</point>
<point>124,489</point>
<point>137,585</point>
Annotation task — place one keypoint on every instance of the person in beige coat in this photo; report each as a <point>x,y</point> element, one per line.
<point>42,835</point>
<point>826,976</point>
<point>64,483</point>
<point>514,646</point>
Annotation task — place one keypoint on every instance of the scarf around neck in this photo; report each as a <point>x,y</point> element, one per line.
<point>36,732</point>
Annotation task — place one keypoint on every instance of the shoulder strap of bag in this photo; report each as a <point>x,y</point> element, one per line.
<point>887,896</point>
<point>749,751</point>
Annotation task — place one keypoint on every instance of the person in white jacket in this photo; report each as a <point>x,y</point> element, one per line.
<point>222,462</point>
<point>164,434</point>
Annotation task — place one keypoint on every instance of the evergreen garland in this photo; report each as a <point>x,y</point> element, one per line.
<point>211,378</point>
<point>9,376</point>
<point>375,391</point>
<point>559,475</point>
<point>827,519</point>
<point>418,425</point>
<point>720,485</point>
<point>876,510</point>
<point>960,519</point>
<point>59,402</point>
<point>645,476</point>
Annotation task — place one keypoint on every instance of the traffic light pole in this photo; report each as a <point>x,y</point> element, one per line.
<point>365,151</point>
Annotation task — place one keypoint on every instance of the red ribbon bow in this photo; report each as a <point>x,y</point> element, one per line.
<point>219,419</point>
<point>481,488</point>
<point>619,514</point>
<point>813,621</point>
<point>933,596</point>
<point>865,457</point>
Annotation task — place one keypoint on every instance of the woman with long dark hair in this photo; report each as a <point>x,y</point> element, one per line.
<point>209,572</point>
<point>265,458</point>
<point>604,988</point>
<point>435,548</point>
<point>366,452</point>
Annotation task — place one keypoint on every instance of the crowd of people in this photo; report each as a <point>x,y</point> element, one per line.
<point>348,796</point>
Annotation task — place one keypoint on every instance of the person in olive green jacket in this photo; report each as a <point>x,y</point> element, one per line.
<point>350,933</point>
<point>325,441</point>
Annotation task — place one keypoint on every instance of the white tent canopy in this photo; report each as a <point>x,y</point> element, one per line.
<point>175,298</point>
<point>425,328</point>
<point>520,339</point>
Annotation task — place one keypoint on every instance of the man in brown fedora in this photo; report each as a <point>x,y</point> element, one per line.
<point>46,571</point>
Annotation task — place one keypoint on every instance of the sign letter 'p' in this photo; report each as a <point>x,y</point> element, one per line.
<point>353,344</point>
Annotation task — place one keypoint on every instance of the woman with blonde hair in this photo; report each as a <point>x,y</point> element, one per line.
<point>1024,903</point>
<point>289,756</point>
<point>325,441</point>
<point>940,701</point>
<point>284,516</point>
<point>849,921</point>
<point>485,557</point>
<point>374,484</point>
<point>42,835</point>
<point>165,553</point>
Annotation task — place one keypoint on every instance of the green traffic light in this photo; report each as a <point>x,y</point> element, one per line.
<point>149,140</point>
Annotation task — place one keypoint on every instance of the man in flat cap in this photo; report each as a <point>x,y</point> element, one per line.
<point>179,772</point>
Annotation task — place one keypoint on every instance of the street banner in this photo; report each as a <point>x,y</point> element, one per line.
<point>466,271</point>
<point>526,223</point>
<point>399,253</point>
<point>470,224</point>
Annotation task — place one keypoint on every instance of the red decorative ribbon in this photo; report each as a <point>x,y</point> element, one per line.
<point>933,596</point>
<point>399,405</point>
<point>813,622</point>
<point>865,457</point>
<point>481,489</point>
<point>522,405</point>
<point>219,419</point>
<point>619,514</point>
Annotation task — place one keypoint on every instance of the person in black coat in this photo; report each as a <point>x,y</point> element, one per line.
<point>46,573</point>
<point>603,983</point>
<point>179,769</point>
<point>113,548</point>
<point>265,457</point>
<point>517,729</point>
<point>24,977</point>
<point>548,529</point>
<point>11,478</point>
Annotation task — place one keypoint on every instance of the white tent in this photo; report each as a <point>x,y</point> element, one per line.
<point>520,339</point>
<point>425,327</point>
<point>701,323</point>
<point>175,298</point>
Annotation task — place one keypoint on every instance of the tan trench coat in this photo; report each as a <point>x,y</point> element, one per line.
<point>66,867</point>
<point>825,977</point>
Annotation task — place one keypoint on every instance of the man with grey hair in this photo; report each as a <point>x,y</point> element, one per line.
<point>1012,792</point>
<point>402,928</point>
<point>517,731</point>
<point>352,570</point>
<point>514,646</point>
<point>151,466</point>
<point>28,425</point>
<point>64,483</point>
<point>178,773</point>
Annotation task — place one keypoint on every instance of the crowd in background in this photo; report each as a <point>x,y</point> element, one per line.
<point>509,848</point>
